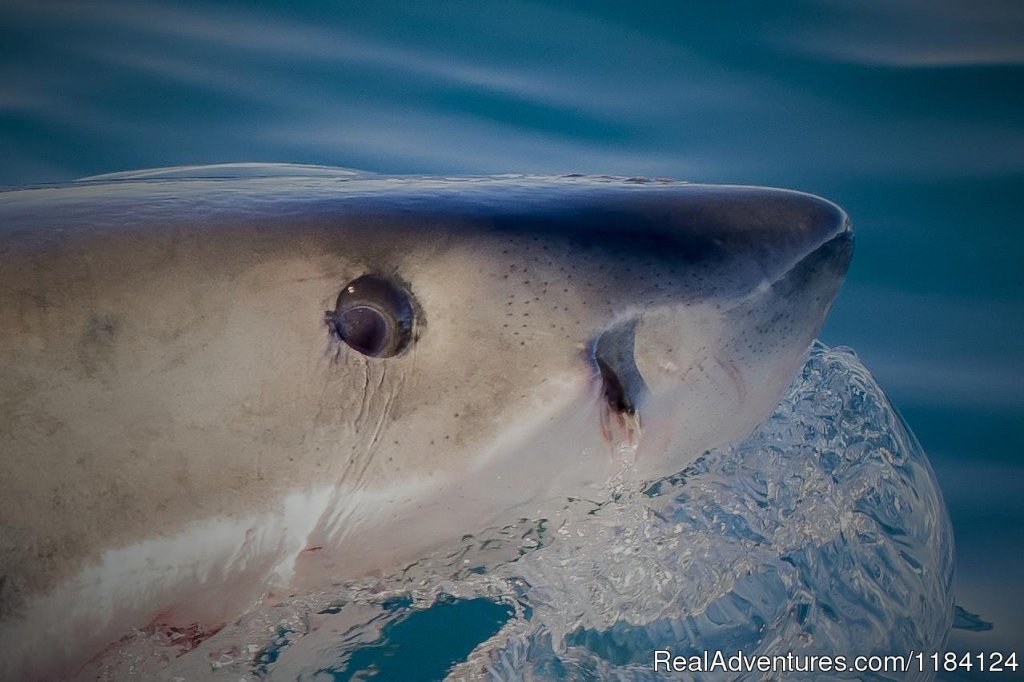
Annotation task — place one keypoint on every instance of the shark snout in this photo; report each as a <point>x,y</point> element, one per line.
<point>701,369</point>
<point>830,260</point>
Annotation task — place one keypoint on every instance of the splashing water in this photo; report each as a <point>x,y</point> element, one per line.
<point>823,532</point>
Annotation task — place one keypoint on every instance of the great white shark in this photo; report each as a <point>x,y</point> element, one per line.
<point>216,381</point>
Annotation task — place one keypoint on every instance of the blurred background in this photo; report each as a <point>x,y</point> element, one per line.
<point>908,114</point>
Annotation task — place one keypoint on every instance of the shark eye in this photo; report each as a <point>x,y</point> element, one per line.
<point>374,316</point>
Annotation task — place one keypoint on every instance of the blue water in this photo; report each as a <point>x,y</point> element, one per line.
<point>403,653</point>
<point>910,115</point>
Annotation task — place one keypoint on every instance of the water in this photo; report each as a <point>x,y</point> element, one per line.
<point>909,115</point>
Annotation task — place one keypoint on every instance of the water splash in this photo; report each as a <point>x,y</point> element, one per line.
<point>824,532</point>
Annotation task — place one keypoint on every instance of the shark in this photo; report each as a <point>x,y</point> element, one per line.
<point>217,381</point>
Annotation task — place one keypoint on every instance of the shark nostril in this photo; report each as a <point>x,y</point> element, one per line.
<point>623,386</point>
<point>614,391</point>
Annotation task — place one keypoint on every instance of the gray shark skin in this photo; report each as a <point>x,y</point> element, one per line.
<point>183,428</point>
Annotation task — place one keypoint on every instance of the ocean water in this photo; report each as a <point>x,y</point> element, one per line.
<point>910,115</point>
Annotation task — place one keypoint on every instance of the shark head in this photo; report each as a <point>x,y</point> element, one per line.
<point>298,376</point>
<point>579,331</point>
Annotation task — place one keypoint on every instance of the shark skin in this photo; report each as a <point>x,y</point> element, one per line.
<point>195,411</point>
